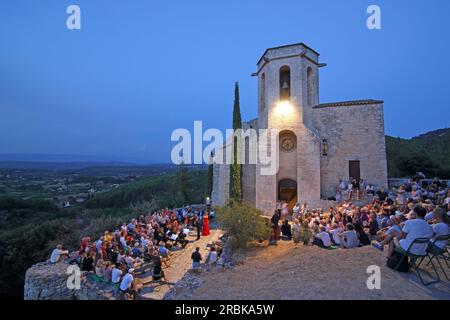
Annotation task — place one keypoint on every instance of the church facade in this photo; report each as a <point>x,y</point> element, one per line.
<point>318,144</point>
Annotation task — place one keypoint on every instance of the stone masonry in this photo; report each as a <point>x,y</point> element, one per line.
<point>316,141</point>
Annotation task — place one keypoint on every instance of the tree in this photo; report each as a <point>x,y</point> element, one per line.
<point>243,223</point>
<point>419,161</point>
<point>236,169</point>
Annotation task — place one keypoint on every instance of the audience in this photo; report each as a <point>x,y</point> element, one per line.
<point>385,219</point>
<point>151,238</point>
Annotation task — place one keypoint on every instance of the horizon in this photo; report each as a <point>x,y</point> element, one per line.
<point>116,159</point>
<point>119,86</point>
<point>113,159</point>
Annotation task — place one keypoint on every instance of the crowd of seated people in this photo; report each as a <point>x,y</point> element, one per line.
<point>152,237</point>
<point>353,189</point>
<point>392,219</point>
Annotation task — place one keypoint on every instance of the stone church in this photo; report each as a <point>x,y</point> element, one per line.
<point>319,144</point>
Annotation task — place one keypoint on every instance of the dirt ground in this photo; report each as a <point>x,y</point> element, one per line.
<point>287,271</point>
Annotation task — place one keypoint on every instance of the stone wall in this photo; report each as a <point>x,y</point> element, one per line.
<point>354,131</point>
<point>221,184</point>
<point>46,281</point>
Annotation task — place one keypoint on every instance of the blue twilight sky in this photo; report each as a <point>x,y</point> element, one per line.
<point>139,69</point>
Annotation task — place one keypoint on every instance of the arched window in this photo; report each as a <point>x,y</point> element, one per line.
<point>324,147</point>
<point>310,86</point>
<point>285,83</point>
<point>262,92</point>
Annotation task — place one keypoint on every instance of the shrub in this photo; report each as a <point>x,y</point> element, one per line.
<point>243,223</point>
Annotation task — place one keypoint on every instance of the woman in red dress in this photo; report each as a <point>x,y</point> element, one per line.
<point>205,230</point>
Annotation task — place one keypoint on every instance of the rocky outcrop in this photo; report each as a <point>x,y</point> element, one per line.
<point>46,281</point>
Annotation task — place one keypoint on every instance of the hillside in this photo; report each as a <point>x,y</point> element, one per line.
<point>163,191</point>
<point>30,229</point>
<point>428,153</point>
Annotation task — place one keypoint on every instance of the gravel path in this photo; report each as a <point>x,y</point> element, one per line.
<point>308,272</point>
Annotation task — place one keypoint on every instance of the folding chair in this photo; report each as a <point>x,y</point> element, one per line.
<point>437,252</point>
<point>414,257</point>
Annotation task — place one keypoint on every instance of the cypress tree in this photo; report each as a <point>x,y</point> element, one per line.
<point>236,169</point>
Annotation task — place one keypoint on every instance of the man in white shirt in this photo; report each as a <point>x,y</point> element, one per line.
<point>349,238</point>
<point>57,253</point>
<point>412,230</point>
<point>115,275</point>
<point>335,234</point>
<point>126,286</point>
<point>323,237</point>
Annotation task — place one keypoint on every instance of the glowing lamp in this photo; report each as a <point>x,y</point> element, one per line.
<point>284,108</point>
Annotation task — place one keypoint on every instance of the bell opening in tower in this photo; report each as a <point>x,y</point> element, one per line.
<point>285,83</point>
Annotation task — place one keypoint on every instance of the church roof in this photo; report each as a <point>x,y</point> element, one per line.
<point>286,46</point>
<point>349,103</point>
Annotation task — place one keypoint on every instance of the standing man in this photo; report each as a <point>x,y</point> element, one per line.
<point>196,258</point>
<point>198,225</point>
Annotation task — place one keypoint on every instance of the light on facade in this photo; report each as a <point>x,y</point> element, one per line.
<point>284,108</point>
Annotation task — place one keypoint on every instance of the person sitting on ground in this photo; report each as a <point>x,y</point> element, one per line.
<point>412,230</point>
<point>127,284</point>
<point>349,238</point>
<point>116,273</point>
<point>107,271</point>
<point>322,239</point>
<point>136,251</point>
<point>196,258</point>
<point>88,263</point>
<point>334,232</point>
<point>130,261</point>
<point>362,235</point>
<point>99,267</point>
<point>84,246</point>
<point>57,253</point>
<point>373,225</point>
<point>286,232</point>
<point>181,239</point>
<point>385,235</point>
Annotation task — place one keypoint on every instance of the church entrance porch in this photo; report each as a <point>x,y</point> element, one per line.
<point>287,192</point>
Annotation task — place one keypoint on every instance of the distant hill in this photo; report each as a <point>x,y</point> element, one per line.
<point>67,158</point>
<point>164,191</point>
<point>428,153</point>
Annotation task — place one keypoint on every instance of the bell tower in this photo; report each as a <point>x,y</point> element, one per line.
<point>287,93</point>
<point>288,82</point>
